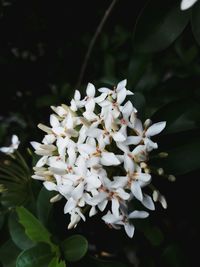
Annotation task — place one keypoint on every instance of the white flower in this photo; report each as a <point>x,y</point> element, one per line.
<point>95,155</point>
<point>14,146</point>
<point>185,4</point>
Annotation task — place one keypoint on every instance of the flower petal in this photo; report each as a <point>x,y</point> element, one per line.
<point>118,137</point>
<point>115,207</point>
<point>50,186</point>
<point>136,214</point>
<point>130,229</point>
<point>185,4</point>
<point>109,159</point>
<point>90,90</point>
<point>70,205</point>
<point>148,202</point>
<point>136,190</point>
<point>156,128</point>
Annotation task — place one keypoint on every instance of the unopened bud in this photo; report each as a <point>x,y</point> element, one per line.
<point>147,123</point>
<point>143,165</point>
<point>172,178</point>
<point>55,198</point>
<point>160,198</point>
<point>160,171</point>
<point>163,154</point>
<point>147,170</point>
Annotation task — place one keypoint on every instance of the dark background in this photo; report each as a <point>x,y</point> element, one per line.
<point>42,48</point>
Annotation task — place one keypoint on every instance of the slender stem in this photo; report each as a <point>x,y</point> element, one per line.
<point>93,41</point>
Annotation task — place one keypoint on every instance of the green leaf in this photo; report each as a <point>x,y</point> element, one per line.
<point>180,115</point>
<point>173,256</point>
<point>154,235</point>
<point>17,233</point>
<point>55,263</point>
<point>43,205</point>
<point>159,25</point>
<point>7,258</point>
<point>39,256</point>
<point>74,247</point>
<point>183,159</point>
<point>33,228</point>
<point>2,218</point>
<point>195,21</point>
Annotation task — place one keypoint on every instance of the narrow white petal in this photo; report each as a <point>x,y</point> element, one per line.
<point>15,140</point>
<point>122,194</point>
<point>144,177</point>
<point>118,137</point>
<point>70,205</point>
<point>122,84</point>
<point>50,186</point>
<point>138,214</point>
<point>110,218</point>
<point>119,181</point>
<point>121,95</point>
<point>127,109</point>
<point>103,205</point>
<point>109,159</point>
<point>138,126</point>
<point>78,191</point>
<point>94,132</point>
<point>38,177</point>
<point>130,229</point>
<point>100,98</point>
<point>41,162</point>
<point>104,90</point>
<point>148,202</point>
<point>93,211</point>
<point>133,140</point>
<point>77,95</point>
<point>93,182</point>
<point>90,90</point>
<point>115,207</point>
<point>129,164</point>
<point>7,150</point>
<point>54,121</point>
<point>185,4</point>
<point>85,148</point>
<point>156,128</point>
<point>136,190</point>
<point>35,145</point>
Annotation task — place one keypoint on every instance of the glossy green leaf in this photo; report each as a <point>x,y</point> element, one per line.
<point>173,256</point>
<point>2,217</point>
<point>43,205</point>
<point>180,115</point>
<point>17,233</point>
<point>195,21</point>
<point>74,247</point>
<point>33,228</point>
<point>159,25</point>
<point>39,256</point>
<point>7,258</point>
<point>183,159</point>
<point>56,263</point>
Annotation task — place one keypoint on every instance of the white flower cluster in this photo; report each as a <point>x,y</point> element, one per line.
<point>94,155</point>
<point>14,146</point>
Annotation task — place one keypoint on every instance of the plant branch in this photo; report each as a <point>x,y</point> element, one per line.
<point>93,41</point>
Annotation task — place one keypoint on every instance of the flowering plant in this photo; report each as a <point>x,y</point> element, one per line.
<point>95,155</point>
